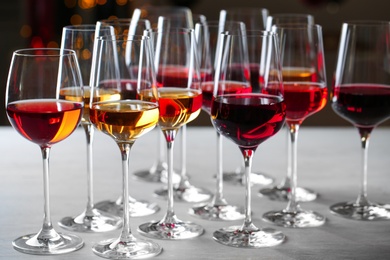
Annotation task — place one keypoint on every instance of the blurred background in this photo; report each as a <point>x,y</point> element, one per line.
<point>38,23</point>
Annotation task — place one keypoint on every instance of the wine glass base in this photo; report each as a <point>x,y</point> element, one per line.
<point>283,194</point>
<point>351,210</point>
<point>295,219</point>
<point>234,236</point>
<point>256,178</point>
<point>156,176</point>
<point>61,244</point>
<point>187,194</point>
<point>114,249</point>
<point>171,231</point>
<point>98,222</point>
<point>218,212</point>
<point>136,208</point>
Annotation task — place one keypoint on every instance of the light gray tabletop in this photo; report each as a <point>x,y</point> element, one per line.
<point>328,162</point>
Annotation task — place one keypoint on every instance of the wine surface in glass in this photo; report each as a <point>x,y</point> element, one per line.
<point>364,105</point>
<point>248,119</point>
<point>44,121</point>
<point>124,120</point>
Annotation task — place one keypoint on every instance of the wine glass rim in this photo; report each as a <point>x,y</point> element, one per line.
<point>296,26</point>
<point>111,21</point>
<point>170,30</point>
<point>123,38</point>
<point>292,15</point>
<point>81,27</point>
<point>218,23</point>
<point>47,52</point>
<point>366,23</point>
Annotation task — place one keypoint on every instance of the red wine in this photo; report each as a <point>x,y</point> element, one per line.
<point>303,99</point>
<point>175,76</point>
<point>248,119</point>
<point>364,105</point>
<point>230,87</point>
<point>255,76</point>
<point>44,121</point>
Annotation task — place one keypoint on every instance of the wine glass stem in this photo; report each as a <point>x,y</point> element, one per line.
<point>248,225</point>
<point>292,205</point>
<point>89,132</point>
<point>170,137</point>
<point>218,198</point>
<point>125,152</point>
<point>362,198</point>
<point>183,159</point>
<point>287,181</point>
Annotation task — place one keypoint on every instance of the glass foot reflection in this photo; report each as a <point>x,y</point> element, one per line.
<point>187,193</point>
<point>97,221</point>
<point>53,243</point>
<point>174,230</point>
<point>136,208</point>
<point>370,211</point>
<point>294,219</point>
<point>157,173</point>
<point>256,178</point>
<point>235,236</point>
<point>211,211</point>
<point>133,249</point>
<point>282,193</point>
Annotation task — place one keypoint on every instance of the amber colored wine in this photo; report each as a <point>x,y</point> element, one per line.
<point>364,105</point>
<point>44,121</point>
<point>124,120</point>
<point>298,74</point>
<point>72,94</point>
<point>303,99</point>
<point>248,119</point>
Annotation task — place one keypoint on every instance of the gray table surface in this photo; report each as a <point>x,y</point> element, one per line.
<point>328,162</point>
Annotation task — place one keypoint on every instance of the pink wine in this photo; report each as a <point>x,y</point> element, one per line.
<point>248,119</point>
<point>303,99</point>
<point>176,76</point>
<point>364,105</point>
<point>44,121</point>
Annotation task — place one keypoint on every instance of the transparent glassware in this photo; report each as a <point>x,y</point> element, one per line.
<point>123,75</point>
<point>207,38</point>
<point>361,96</point>
<point>81,39</point>
<point>305,93</point>
<point>254,20</point>
<point>264,111</point>
<point>44,104</point>
<point>282,191</point>
<point>137,208</point>
<point>180,102</point>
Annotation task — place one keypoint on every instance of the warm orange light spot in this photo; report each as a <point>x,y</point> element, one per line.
<point>87,4</point>
<point>76,19</point>
<point>86,54</point>
<point>25,31</point>
<point>121,2</point>
<point>101,2</point>
<point>52,44</point>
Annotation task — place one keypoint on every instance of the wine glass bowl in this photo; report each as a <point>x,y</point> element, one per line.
<point>37,110</point>
<point>361,95</point>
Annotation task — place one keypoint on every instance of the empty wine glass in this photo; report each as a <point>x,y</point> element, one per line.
<point>248,119</point>
<point>120,111</point>
<point>180,101</point>
<point>305,93</point>
<point>361,95</point>
<point>282,191</point>
<point>254,20</point>
<point>38,110</point>
<point>81,39</point>
<point>207,38</point>
<point>138,208</point>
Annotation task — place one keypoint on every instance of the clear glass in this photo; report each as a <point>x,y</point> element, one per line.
<point>361,95</point>
<point>44,103</point>
<point>282,191</point>
<point>305,93</point>
<point>180,102</point>
<point>248,131</point>
<point>81,39</point>
<point>207,38</point>
<point>137,208</point>
<point>254,20</point>
<point>123,77</point>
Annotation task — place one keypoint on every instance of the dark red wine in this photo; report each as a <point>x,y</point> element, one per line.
<point>255,76</point>
<point>230,87</point>
<point>175,76</point>
<point>248,119</point>
<point>44,121</point>
<point>361,104</point>
<point>303,99</point>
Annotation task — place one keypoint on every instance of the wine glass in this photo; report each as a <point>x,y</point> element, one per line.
<point>361,95</point>
<point>38,110</point>
<point>138,208</point>
<point>180,100</point>
<point>183,190</point>
<point>81,38</point>
<point>254,19</point>
<point>305,93</point>
<point>282,191</point>
<point>247,118</point>
<point>207,37</point>
<point>121,112</point>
